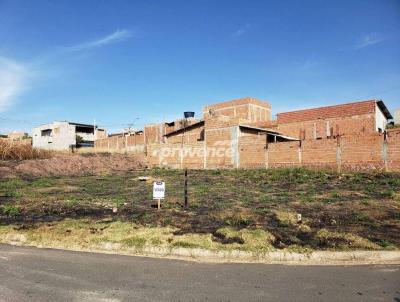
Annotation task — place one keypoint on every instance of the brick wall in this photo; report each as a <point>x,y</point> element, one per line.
<point>252,150</point>
<point>362,152</point>
<point>176,156</point>
<point>131,143</point>
<point>154,133</point>
<point>319,153</point>
<point>344,110</point>
<point>190,136</point>
<point>393,150</point>
<point>323,128</point>
<point>283,154</point>
<point>250,109</point>
<point>336,137</point>
<point>347,153</point>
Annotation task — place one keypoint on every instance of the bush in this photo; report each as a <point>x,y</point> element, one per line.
<point>19,151</point>
<point>11,210</point>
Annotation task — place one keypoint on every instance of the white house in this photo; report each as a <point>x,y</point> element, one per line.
<point>64,135</point>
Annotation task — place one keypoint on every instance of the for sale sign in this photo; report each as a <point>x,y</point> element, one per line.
<point>159,190</point>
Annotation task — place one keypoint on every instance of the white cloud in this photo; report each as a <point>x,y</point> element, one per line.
<point>13,77</point>
<point>115,37</point>
<point>241,31</point>
<point>368,40</point>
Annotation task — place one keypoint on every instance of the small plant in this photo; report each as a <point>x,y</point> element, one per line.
<point>13,194</point>
<point>238,220</point>
<point>184,244</point>
<point>134,241</point>
<point>11,210</point>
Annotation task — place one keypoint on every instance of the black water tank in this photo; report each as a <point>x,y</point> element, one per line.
<point>188,114</point>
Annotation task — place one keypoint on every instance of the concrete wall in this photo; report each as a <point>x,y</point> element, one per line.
<point>61,138</point>
<point>380,120</point>
<point>397,117</point>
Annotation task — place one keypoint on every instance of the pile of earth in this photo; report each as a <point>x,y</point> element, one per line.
<point>73,165</point>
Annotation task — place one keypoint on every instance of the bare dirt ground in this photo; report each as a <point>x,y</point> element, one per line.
<point>72,165</point>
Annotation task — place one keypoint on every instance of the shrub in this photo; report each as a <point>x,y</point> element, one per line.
<point>11,210</point>
<point>18,151</point>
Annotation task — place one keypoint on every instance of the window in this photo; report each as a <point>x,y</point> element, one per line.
<point>46,132</point>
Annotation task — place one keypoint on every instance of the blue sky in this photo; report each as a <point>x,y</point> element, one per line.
<point>123,62</point>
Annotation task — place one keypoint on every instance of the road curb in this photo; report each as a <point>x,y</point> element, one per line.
<point>236,256</point>
<point>278,257</point>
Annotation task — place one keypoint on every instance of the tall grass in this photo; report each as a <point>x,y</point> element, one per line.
<point>18,151</point>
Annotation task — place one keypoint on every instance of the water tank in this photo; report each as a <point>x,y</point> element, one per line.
<point>188,114</point>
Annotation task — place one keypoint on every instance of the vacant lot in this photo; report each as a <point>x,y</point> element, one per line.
<point>253,210</point>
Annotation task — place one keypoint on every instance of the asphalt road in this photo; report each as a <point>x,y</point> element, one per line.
<point>30,274</point>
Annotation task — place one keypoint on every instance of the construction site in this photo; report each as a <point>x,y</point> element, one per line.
<point>240,133</point>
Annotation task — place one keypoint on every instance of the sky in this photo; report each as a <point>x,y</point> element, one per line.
<point>129,63</point>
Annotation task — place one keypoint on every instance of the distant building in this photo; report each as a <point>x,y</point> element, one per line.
<point>65,135</point>
<point>17,135</point>
<point>397,117</point>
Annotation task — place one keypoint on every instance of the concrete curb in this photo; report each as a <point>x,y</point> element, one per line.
<point>235,256</point>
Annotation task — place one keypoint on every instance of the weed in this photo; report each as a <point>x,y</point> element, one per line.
<point>134,241</point>
<point>185,244</point>
<point>11,210</point>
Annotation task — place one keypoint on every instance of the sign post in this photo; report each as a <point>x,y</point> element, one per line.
<point>158,192</point>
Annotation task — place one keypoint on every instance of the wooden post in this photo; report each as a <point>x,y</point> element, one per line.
<point>158,204</point>
<point>185,188</point>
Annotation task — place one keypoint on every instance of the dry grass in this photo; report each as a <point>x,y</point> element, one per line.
<point>18,151</point>
<point>86,234</point>
<point>344,240</point>
<point>252,210</point>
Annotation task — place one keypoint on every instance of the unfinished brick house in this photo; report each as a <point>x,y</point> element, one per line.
<point>325,122</point>
<point>241,134</point>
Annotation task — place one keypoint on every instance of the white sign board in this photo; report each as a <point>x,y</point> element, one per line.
<point>158,190</point>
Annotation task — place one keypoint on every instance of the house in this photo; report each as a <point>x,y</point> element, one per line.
<point>17,135</point>
<point>397,117</point>
<point>241,134</point>
<point>228,136</point>
<point>63,135</point>
<point>330,121</point>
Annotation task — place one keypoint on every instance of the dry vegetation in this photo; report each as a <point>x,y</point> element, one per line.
<point>19,151</point>
<point>251,210</point>
<point>69,164</point>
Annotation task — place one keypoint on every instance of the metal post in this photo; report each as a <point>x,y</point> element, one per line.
<point>185,188</point>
